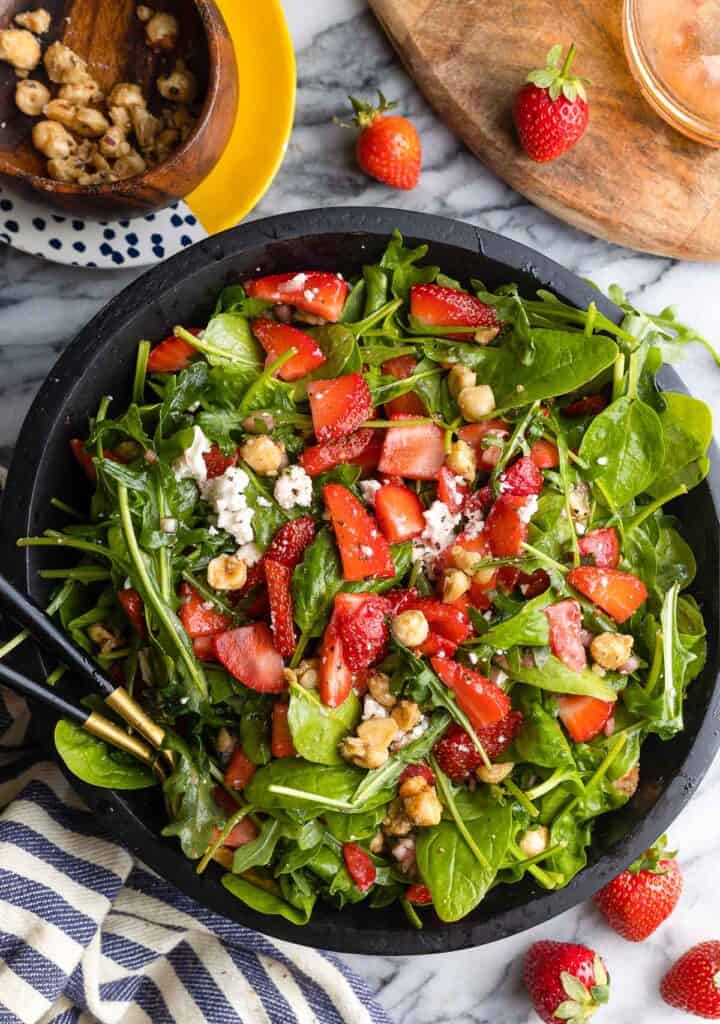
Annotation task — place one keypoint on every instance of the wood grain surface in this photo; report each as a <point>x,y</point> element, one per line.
<point>632,179</point>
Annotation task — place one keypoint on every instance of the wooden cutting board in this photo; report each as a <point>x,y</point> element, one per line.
<point>632,179</point>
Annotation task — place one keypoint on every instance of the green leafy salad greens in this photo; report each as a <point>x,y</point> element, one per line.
<point>506,687</point>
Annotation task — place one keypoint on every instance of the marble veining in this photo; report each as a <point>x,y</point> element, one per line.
<point>342,50</point>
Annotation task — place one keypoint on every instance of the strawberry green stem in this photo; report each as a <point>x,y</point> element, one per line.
<point>568,60</point>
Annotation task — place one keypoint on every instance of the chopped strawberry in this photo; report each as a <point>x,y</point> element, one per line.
<point>278,578</point>
<point>545,454</point>
<point>224,801</point>
<point>602,546</point>
<point>315,291</point>
<point>335,675</point>
<point>370,455</point>
<point>565,621</point>
<point>399,513</point>
<point>480,436</point>
<point>591,405</point>
<point>421,769</point>
<point>505,527</point>
<point>584,717</point>
<point>480,501</point>
<point>364,551</point>
<point>281,743</point>
<point>533,584</point>
<point>419,895</point>
<point>83,458</point>
<point>288,545</point>
<point>216,463</point>
<point>276,338</point>
<point>402,367</point>
<point>244,832</point>
<point>360,866</point>
<point>239,771</point>
<point>444,619</point>
<point>362,623</point>
<point>508,577</point>
<point>620,594</point>
<point>132,605</point>
<point>482,701</point>
<point>172,355</point>
<point>359,448</point>
<point>249,655</point>
<point>434,306</point>
<point>204,647</point>
<point>522,478</point>
<point>457,755</point>
<point>256,573</point>
<point>197,618</point>
<point>479,597</point>
<point>437,646</point>
<point>415,452</point>
<point>400,600</point>
<point>339,406</point>
<point>452,490</point>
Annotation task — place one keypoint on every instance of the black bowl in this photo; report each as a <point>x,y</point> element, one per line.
<point>101,361</point>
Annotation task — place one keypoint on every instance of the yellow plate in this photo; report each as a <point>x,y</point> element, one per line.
<point>266,107</point>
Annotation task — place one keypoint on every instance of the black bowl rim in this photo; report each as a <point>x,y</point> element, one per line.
<point>111,809</point>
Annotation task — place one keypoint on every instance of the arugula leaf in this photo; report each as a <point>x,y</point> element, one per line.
<point>181,391</point>
<point>317,730</point>
<point>189,792</point>
<point>400,263</point>
<point>529,627</point>
<point>558,678</point>
<point>624,450</point>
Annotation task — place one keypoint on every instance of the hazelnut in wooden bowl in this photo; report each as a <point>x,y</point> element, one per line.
<point>113,108</point>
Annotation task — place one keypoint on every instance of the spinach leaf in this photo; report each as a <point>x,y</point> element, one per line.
<point>97,763</point>
<point>529,627</point>
<point>189,793</point>
<point>550,529</point>
<point>341,352</point>
<point>675,559</point>
<point>228,339</point>
<point>351,828</point>
<point>558,678</point>
<point>264,900</point>
<point>687,430</point>
<point>317,730</point>
<point>624,448</point>
<point>541,741</point>
<point>234,300</point>
<point>315,582</point>
<point>259,851</point>
<point>268,517</point>
<point>336,782</point>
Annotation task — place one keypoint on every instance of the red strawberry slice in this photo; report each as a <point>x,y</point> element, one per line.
<point>584,717</point>
<point>620,594</point>
<point>445,619</point>
<point>508,578</point>
<point>545,454</point>
<point>437,646</point>
<point>278,578</point>
<point>277,338</point>
<point>132,605</point>
<point>244,832</point>
<point>522,478</point>
<point>249,655</point>
<point>83,458</point>
<point>413,771</point>
<point>565,620</point>
<point>400,600</point>
<point>452,490</point>
<point>198,616</point>
<point>399,513</point>
<point>204,647</point>
<point>172,355</point>
<point>360,866</point>
<point>281,742</point>
<point>216,463</point>
<point>363,550</point>
<point>239,771</point>
<point>335,675</point>
<point>415,452</point>
<point>419,895</point>
<point>358,448</point>
<point>480,435</point>
<point>338,407</point>
<point>435,306</point>
<point>288,545</point>
<point>533,584</point>
<point>362,621</point>
<point>457,755</point>
<point>313,291</point>
<point>402,367</point>
<point>505,527</point>
<point>482,701</point>
<point>602,546</point>
<point>591,405</point>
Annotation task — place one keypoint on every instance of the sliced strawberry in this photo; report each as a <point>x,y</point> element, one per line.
<point>224,801</point>
<point>319,458</point>
<point>198,616</point>
<point>244,832</point>
<point>444,619</point>
<point>172,355</point>
<point>216,463</point>
<point>335,675</point>
<point>288,545</point>
<point>362,621</point>
<point>83,458</point>
<point>591,405</point>
<point>419,895</point>
<point>565,621</point>
<point>415,452</point>
<point>480,501</point>
<point>482,701</point>
<point>584,717</point>
<point>204,647</point>
<point>277,338</point>
<point>421,770</point>
<point>402,367</point>
<point>132,605</point>
<point>360,866</point>
<point>505,527</point>
<point>620,594</point>
<point>400,600</point>
<point>278,578</point>
<point>315,291</point>
<point>545,454</point>
<point>479,437</point>
<point>437,646</point>
<point>338,407</point>
<point>364,551</point>
<point>533,584</point>
<point>369,457</point>
<point>522,478</point>
<point>249,655</point>
<point>435,306</point>
<point>399,513</point>
<point>457,755</point>
<point>452,490</point>
<point>239,771</point>
<point>603,546</point>
<point>480,599</point>
<point>281,743</point>
<point>508,578</point>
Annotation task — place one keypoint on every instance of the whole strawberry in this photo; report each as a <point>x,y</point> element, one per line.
<point>566,982</point>
<point>641,898</point>
<point>693,982</point>
<point>388,147</point>
<point>551,111</point>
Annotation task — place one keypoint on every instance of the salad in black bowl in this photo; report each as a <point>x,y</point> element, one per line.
<point>390,560</point>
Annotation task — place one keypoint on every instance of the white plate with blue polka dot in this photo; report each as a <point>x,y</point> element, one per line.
<point>139,242</point>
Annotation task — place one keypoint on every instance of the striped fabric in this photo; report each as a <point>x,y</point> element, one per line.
<point>87,934</point>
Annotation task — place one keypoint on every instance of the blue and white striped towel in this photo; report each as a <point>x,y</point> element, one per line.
<point>87,935</point>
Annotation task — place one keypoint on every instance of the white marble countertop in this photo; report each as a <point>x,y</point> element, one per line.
<point>341,50</point>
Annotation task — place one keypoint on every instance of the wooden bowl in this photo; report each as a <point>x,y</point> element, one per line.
<point>111,38</point>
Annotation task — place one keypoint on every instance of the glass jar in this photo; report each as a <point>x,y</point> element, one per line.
<point>673,48</point>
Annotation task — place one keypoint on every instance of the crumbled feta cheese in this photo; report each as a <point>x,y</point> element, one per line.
<point>213,531</point>
<point>168,524</point>
<point>580,528</point>
<point>294,487</point>
<point>528,510</point>
<point>371,709</point>
<point>474,523</point>
<point>226,495</point>
<point>473,658</point>
<point>368,489</point>
<point>603,460</point>
<point>250,554</point>
<point>412,734</point>
<point>439,532</point>
<point>191,464</point>
<point>263,502</point>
